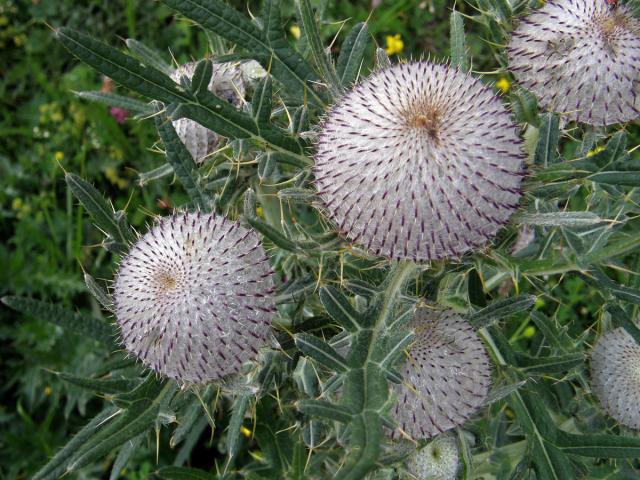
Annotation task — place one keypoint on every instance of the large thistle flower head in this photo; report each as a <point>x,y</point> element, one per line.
<point>439,460</point>
<point>419,161</point>
<point>193,297</point>
<point>581,58</point>
<point>615,376</point>
<point>446,375</point>
<point>227,83</point>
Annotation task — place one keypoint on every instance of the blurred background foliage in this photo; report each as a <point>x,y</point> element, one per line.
<point>48,242</point>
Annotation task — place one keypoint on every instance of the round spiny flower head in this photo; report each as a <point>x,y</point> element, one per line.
<point>446,376</point>
<point>615,372</point>
<point>193,297</point>
<point>419,161</point>
<point>227,83</point>
<point>581,58</point>
<point>437,461</point>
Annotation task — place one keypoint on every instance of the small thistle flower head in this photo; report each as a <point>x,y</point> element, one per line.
<point>439,460</point>
<point>581,58</point>
<point>615,376</point>
<point>193,297</point>
<point>446,375</point>
<point>419,161</point>
<point>227,83</point>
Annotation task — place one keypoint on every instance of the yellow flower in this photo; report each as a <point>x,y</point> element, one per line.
<point>47,391</point>
<point>295,31</point>
<point>59,156</point>
<point>504,85</point>
<point>394,44</point>
<point>598,149</point>
<point>245,431</point>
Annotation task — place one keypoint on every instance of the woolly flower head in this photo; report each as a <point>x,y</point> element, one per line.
<point>419,161</point>
<point>227,83</point>
<point>581,58</point>
<point>193,297</point>
<point>446,376</point>
<point>615,372</point>
<point>437,461</point>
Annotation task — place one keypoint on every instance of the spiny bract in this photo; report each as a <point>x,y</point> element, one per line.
<point>193,297</point>
<point>446,376</point>
<point>615,372</point>
<point>227,83</point>
<point>419,161</point>
<point>437,461</point>
<point>581,58</point>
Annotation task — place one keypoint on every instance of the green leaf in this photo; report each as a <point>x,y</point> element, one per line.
<point>365,444</point>
<point>202,76</point>
<point>599,279</point>
<point>326,410</point>
<point>72,322</point>
<point>599,446</point>
<point>120,67</point>
<point>559,219</point>
<point>115,100</point>
<point>106,385</point>
<point>133,421</point>
<point>339,308</point>
<point>552,364</point>
<point>57,465</point>
<point>269,47</point>
<point>193,413</point>
<point>237,417</point>
<point>321,352</point>
<point>181,162</point>
<point>149,56</point>
<point>501,309</point>
<point>155,174</point>
<point>124,454</point>
<point>621,318</point>
<point>458,47</point>
<point>352,54</point>
<point>183,473</point>
<point>261,101</point>
<point>99,293</point>
<point>382,59</point>
<point>322,60</point>
<point>118,232</point>
<point>547,148</point>
<point>272,234</point>
<point>625,179</point>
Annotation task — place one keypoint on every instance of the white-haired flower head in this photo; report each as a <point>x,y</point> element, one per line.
<point>227,83</point>
<point>193,297</point>
<point>581,58</point>
<point>439,460</point>
<point>615,376</point>
<point>446,375</point>
<point>419,161</point>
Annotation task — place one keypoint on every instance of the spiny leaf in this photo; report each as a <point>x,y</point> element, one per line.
<point>326,410</point>
<point>546,151</point>
<point>559,219</point>
<point>237,417</point>
<point>321,352</point>
<point>148,56</point>
<point>99,292</point>
<point>72,322</point>
<point>261,101</point>
<point>501,309</point>
<point>458,47</point>
<point>599,446</point>
<point>105,385</point>
<point>183,473</point>
<point>551,364</point>
<point>624,179</point>
<point>115,100</point>
<point>598,278</point>
<point>339,308</point>
<point>352,54</point>
<point>181,162</point>
<point>124,455</point>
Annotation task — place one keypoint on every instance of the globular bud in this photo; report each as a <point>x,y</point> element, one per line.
<point>446,376</point>
<point>439,460</point>
<point>193,297</point>
<point>581,58</point>
<point>419,161</point>
<point>615,376</point>
<point>227,83</point>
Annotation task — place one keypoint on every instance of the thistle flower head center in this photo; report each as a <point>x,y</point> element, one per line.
<point>427,119</point>
<point>166,281</point>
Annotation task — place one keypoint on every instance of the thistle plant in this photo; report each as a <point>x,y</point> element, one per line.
<point>227,83</point>
<point>419,161</point>
<point>581,59</point>
<point>439,460</point>
<point>365,216</point>
<point>615,369</point>
<point>193,297</point>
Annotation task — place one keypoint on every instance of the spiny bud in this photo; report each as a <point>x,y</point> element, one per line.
<point>615,374</point>
<point>437,461</point>
<point>446,376</point>
<point>419,161</point>
<point>193,297</point>
<point>227,83</point>
<point>581,58</point>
